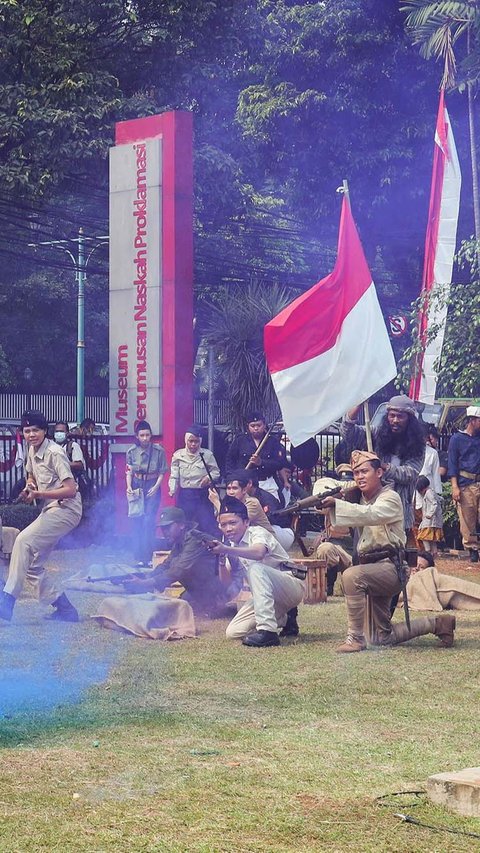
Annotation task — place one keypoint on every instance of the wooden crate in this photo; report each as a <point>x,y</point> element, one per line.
<point>316,580</point>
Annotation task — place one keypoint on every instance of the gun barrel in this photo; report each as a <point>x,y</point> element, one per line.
<point>307,503</point>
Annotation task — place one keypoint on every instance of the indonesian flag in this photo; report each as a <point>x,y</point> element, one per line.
<point>330,349</point>
<point>439,252</point>
<point>19,452</point>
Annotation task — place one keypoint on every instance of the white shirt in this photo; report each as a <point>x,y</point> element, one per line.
<point>275,556</point>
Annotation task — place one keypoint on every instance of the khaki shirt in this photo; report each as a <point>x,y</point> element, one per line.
<point>380,521</point>
<point>138,459</point>
<point>256,514</point>
<point>50,467</point>
<point>188,472</point>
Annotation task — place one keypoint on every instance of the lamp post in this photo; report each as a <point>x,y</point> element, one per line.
<point>28,376</point>
<point>80,264</point>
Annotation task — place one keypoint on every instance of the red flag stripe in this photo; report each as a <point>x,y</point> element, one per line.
<point>298,334</point>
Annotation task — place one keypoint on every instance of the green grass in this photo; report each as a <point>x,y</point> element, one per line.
<point>205,745</point>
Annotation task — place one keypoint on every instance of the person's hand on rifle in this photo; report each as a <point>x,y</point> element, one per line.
<point>215,546</point>
<point>214,499</point>
<point>204,481</point>
<point>136,585</point>
<point>328,502</point>
<point>255,459</point>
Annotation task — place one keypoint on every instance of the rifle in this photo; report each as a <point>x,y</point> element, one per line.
<point>207,469</point>
<point>118,579</point>
<point>262,443</point>
<point>306,503</point>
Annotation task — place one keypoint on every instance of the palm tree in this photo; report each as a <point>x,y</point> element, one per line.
<point>437,27</point>
<point>233,324</point>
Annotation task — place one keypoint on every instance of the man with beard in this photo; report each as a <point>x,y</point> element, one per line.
<point>399,443</point>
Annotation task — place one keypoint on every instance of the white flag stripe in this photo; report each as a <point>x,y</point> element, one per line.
<point>443,265</point>
<point>317,392</point>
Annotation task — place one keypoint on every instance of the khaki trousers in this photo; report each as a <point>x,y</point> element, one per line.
<point>378,581</point>
<point>333,555</point>
<point>274,593</point>
<point>469,514</point>
<point>32,547</point>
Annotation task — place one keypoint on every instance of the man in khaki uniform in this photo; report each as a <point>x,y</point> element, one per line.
<point>380,522</point>
<point>49,479</point>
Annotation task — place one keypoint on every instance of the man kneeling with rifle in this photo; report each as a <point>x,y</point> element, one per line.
<point>382,571</point>
<point>276,585</point>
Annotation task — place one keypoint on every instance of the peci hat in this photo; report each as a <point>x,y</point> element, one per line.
<point>358,457</point>
<point>231,504</point>
<point>35,418</point>
<point>255,415</point>
<point>402,403</point>
<point>170,515</point>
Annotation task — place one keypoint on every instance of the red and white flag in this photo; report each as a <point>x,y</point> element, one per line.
<point>329,349</point>
<point>439,253</point>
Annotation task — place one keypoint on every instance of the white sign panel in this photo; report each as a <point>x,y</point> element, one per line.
<point>135,286</point>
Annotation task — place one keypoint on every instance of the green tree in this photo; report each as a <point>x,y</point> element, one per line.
<point>437,27</point>
<point>234,325</point>
<point>458,367</point>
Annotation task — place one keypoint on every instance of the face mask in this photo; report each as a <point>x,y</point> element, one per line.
<point>60,437</point>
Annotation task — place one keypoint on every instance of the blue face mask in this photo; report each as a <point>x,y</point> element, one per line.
<point>60,437</point>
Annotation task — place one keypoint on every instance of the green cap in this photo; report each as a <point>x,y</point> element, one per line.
<point>171,514</point>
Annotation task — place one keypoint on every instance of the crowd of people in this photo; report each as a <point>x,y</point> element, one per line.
<point>228,548</point>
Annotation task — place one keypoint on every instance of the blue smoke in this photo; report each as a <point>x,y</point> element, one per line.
<point>43,666</point>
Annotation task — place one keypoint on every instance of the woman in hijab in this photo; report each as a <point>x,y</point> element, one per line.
<point>146,465</point>
<point>192,471</point>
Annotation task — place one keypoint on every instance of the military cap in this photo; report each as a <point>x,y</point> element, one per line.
<point>358,457</point>
<point>171,514</point>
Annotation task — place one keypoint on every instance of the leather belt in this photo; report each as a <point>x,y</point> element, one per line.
<point>375,556</point>
<point>468,475</point>
<point>145,476</point>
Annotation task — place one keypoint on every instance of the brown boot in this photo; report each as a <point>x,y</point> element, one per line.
<point>351,645</point>
<point>444,628</point>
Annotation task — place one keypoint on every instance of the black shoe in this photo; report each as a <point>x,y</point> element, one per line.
<point>7,603</point>
<point>64,610</point>
<point>473,555</point>
<point>259,639</point>
<point>291,628</point>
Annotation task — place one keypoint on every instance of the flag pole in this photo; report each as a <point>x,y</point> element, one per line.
<point>368,430</point>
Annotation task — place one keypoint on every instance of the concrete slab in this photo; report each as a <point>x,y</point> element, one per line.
<point>459,792</point>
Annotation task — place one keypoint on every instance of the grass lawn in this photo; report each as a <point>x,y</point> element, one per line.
<point>205,745</point>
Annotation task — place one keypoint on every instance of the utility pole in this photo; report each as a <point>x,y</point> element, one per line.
<point>79,264</point>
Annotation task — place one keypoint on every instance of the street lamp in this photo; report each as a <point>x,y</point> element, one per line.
<point>28,376</point>
<point>80,264</point>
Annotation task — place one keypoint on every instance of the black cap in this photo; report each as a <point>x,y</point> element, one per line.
<point>231,504</point>
<point>33,417</point>
<point>196,431</point>
<point>255,416</point>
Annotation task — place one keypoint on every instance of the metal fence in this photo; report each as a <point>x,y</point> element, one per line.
<point>96,452</point>
<point>98,461</point>
<point>56,407</point>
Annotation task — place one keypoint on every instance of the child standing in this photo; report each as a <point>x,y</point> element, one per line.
<point>430,530</point>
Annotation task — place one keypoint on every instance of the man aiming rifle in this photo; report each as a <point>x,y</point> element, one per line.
<point>380,522</point>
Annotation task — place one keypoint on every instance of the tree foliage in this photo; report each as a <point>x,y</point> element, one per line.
<point>234,326</point>
<point>458,367</point>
